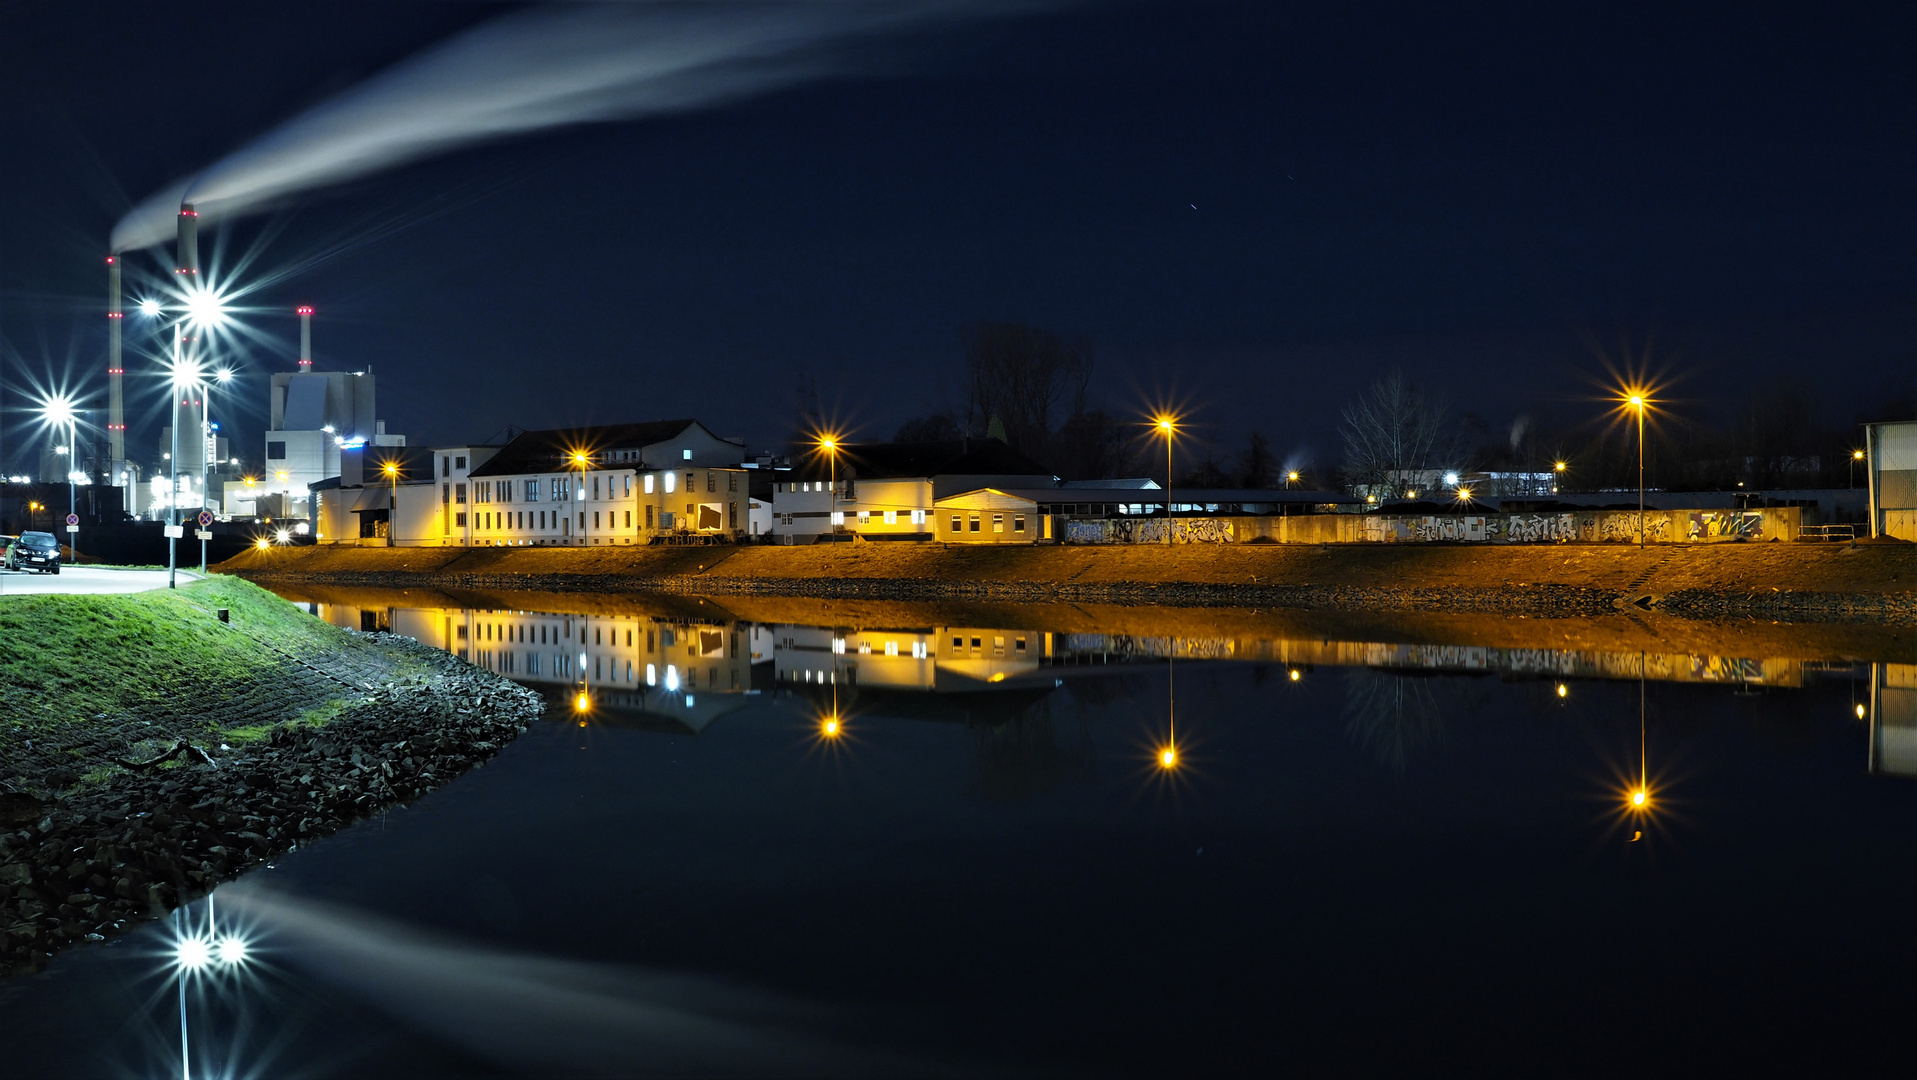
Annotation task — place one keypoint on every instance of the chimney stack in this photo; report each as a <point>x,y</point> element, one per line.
<point>116,405</point>
<point>306,338</point>
<point>188,253</point>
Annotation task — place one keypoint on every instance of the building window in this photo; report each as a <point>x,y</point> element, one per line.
<point>460,520</point>
<point>686,454</point>
<point>712,481</point>
<point>532,491</point>
<point>445,494</point>
<point>628,519</point>
<point>918,517</point>
<point>957,525</point>
<point>595,519</point>
<point>276,451</point>
<point>891,517</point>
<point>628,485</point>
<point>998,523</point>
<point>732,515</point>
<point>865,517</point>
<point>1018,523</point>
<point>838,517</point>
<point>669,478</point>
<point>445,467</point>
<point>732,481</point>
<point>975,522</point>
<point>688,481</point>
<point>648,515</point>
<point>459,494</point>
<point>595,489</point>
<point>459,463</point>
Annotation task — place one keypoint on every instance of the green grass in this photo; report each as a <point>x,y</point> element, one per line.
<point>67,659</point>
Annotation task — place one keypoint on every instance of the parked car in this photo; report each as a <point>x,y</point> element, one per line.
<point>34,551</point>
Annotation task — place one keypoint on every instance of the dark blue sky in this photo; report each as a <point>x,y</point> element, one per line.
<point>1255,208</point>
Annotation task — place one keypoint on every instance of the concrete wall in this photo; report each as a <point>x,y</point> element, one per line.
<point>1591,526</point>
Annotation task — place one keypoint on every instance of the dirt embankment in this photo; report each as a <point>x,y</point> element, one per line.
<point>1795,582</point>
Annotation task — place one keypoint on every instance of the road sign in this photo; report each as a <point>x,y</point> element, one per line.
<point>203,534</point>
<point>206,519</point>
<point>73,528</point>
<point>73,519</point>
<point>175,531</point>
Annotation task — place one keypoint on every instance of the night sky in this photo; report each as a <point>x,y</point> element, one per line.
<point>1253,209</point>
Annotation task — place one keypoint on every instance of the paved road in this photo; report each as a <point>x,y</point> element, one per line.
<point>75,580</point>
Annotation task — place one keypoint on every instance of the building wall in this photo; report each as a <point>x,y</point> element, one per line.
<point>1661,526</point>
<point>987,517</point>
<point>1892,453</point>
<point>610,507</point>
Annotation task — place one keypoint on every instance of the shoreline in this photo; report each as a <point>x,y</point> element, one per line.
<point>1783,582</point>
<point>82,862</point>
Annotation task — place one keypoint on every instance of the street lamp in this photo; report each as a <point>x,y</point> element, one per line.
<point>59,412</point>
<point>1855,457</point>
<point>1168,427</point>
<point>829,444</point>
<point>183,376</point>
<point>391,471</point>
<point>581,461</point>
<point>1637,400</point>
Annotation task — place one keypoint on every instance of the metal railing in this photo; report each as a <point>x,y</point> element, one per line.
<point>1828,532</point>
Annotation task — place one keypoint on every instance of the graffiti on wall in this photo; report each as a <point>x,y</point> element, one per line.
<point>1148,531</point>
<point>1623,527</point>
<point>1539,528</point>
<point>1710,524</point>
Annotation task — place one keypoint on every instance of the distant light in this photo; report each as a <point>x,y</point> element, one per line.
<point>1168,758</point>
<point>262,543</point>
<point>193,953</point>
<point>1293,476</point>
<point>1860,712</point>
<point>1451,479</point>
<point>205,307</point>
<point>224,374</point>
<point>327,429</point>
<point>59,410</point>
<point>1857,455</point>
<point>149,307</point>
<point>1560,466</point>
<point>1296,675</point>
<point>830,727</point>
<point>283,536</point>
<point>232,950</point>
<point>1637,402</point>
<point>582,703</point>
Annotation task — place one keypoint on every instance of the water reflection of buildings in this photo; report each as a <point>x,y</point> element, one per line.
<point>1893,719</point>
<point>685,672</point>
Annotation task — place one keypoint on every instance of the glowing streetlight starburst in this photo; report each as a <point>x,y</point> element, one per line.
<point>59,410</point>
<point>149,307</point>
<point>193,953</point>
<point>205,307</point>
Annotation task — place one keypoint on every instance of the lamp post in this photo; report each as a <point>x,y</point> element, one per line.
<point>184,375</point>
<point>222,377</point>
<point>1637,402</point>
<point>831,447</point>
<point>1558,469</point>
<point>391,469</point>
<point>1855,457</point>
<point>581,460</point>
<point>1168,426</point>
<point>59,412</point>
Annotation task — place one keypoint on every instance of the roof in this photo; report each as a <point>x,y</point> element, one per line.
<point>900,460</point>
<point>545,451</point>
<point>1156,497</point>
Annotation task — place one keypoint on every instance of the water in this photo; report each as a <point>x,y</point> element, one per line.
<point>1388,847</point>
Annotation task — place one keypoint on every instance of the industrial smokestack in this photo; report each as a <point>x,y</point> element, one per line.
<point>306,338</point>
<point>188,254</point>
<point>116,405</point>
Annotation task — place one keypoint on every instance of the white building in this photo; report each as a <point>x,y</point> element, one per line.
<point>613,485</point>
<point>314,416</point>
<point>886,491</point>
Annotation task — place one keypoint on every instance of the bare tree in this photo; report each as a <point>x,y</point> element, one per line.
<point>1257,468</point>
<point>1395,432</point>
<point>1028,378</point>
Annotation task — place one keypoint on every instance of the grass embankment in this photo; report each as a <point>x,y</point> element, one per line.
<point>70,659</point>
<point>1865,570</point>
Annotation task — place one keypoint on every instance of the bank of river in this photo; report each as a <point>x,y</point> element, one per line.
<point>151,750</point>
<point>1868,582</point>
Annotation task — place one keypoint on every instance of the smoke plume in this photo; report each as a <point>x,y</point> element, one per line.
<point>540,68</point>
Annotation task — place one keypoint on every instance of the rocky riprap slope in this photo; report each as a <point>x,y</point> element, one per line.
<point>101,857</point>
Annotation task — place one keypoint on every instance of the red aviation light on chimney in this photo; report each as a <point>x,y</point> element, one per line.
<point>303,309</point>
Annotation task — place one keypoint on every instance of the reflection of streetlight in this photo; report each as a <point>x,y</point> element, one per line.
<point>1168,427</point>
